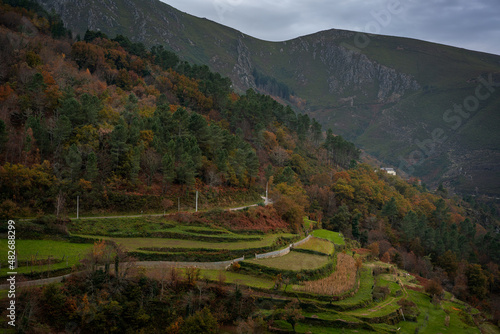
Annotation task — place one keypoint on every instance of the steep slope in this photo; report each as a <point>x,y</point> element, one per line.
<point>394,97</point>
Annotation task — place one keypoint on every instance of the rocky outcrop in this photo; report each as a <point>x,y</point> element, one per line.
<point>349,70</point>
<point>242,70</point>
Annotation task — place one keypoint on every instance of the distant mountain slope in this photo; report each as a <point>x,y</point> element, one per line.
<point>395,98</point>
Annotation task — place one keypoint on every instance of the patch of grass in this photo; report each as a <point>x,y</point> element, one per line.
<point>308,328</point>
<point>232,277</point>
<point>432,317</point>
<point>156,227</point>
<point>63,255</point>
<point>334,237</point>
<point>318,245</point>
<point>308,224</point>
<point>135,244</point>
<point>293,261</point>
<point>364,294</point>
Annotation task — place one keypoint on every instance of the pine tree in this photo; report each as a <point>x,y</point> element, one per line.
<point>185,170</point>
<point>61,131</point>
<point>409,225</point>
<point>90,106</point>
<point>168,168</point>
<point>4,136</point>
<point>91,169</point>
<point>118,143</point>
<point>390,210</point>
<point>74,161</point>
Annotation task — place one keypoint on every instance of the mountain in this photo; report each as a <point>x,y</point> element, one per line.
<point>427,109</point>
<point>105,127</point>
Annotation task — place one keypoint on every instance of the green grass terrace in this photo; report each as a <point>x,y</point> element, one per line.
<point>334,237</point>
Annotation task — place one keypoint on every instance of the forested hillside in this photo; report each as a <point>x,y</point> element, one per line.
<point>128,128</point>
<point>386,94</point>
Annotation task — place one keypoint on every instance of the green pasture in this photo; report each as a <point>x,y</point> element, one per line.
<point>308,328</point>
<point>308,224</point>
<point>149,226</point>
<point>432,317</point>
<point>364,294</point>
<point>33,251</point>
<point>334,237</point>
<point>136,244</point>
<point>318,245</point>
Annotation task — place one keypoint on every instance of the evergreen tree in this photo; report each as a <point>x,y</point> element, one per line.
<point>185,170</point>
<point>90,106</point>
<point>91,169</point>
<point>409,225</point>
<point>40,133</point>
<point>316,131</point>
<point>355,226</point>
<point>118,143</point>
<point>74,161</point>
<point>135,163</point>
<point>390,210</point>
<point>252,163</point>
<point>71,108</point>
<point>168,168</point>
<point>61,131</point>
<point>341,220</point>
<point>4,136</point>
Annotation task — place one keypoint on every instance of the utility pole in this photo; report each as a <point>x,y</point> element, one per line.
<point>196,200</point>
<point>77,207</point>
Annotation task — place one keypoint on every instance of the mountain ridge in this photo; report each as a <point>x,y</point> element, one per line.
<point>386,97</point>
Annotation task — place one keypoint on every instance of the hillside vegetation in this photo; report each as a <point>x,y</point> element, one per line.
<point>129,129</point>
<point>429,110</point>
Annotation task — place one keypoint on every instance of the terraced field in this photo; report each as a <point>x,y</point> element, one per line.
<point>334,295</point>
<point>293,261</point>
<point>36,256</point>
<point>334,237</point>
<point>317,245</point>
<point>138,244</point>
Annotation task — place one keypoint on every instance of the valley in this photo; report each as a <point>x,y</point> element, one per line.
<point>132,181</point>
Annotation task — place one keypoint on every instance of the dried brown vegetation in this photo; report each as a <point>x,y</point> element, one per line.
<point>340,281</point>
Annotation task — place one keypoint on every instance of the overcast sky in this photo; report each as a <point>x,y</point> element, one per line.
<point>470,24</point>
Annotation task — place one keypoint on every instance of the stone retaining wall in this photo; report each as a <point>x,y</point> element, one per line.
<point>284,251</point>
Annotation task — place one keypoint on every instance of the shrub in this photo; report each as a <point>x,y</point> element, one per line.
<point>8,210</point>
<point>433,288</point>
<point>201,322</point>
<point>380,292</point>
<point>236,266</point>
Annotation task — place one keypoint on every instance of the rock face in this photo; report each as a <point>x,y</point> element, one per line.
<point>348,69</point>
<point>120,17</point>
<point>242,70</point>
<point>387,97</point>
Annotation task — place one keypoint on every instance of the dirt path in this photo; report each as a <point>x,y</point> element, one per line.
<point>43,281</point>
<point>141,264</point>
<point>389,301</point>
<point>161,214</point>
<point>146,264</point>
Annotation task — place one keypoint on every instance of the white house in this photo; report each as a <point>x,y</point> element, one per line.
<point>390,171</point>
